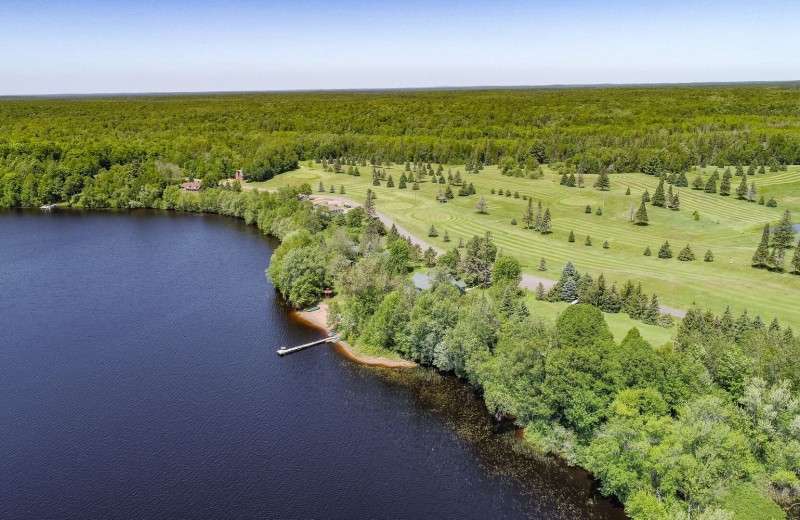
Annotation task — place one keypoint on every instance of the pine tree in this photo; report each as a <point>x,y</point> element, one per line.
<point>321,188</point>
<point>545,227</point>
<point>415,186</point>
<point>580,180</point>
<point>528,216</point>
<point>540,292</point>
<point>739,170</point>
<point>741,191</point>
<point>376,181</point>
<point>794,265</point>
<point>445,237</point>
<point>628,191</point>
<point>571,237</point>
<point>599,212</point>
<point>432,231</point>
<point>686,254</point>
<point>564,179</point>
<point>682,181</point>
<point>659,199</point>
<point>460,243</point>
<point>697,183</point>
<point>762,170</point>
<point>647,251</point>
<point>762,251</point>
<point>640,219</point>
<point>441,180</point>
<point>709,256</point>
<point>537,223</point>
<point>588,241</point>
<point>665,251</point>
<point>646,196</point>
<point>711,186</point>
<point>588,209</point>
<point>481,206</point>
<point>332,189</point>
<point>725,185</point>
<point>542,264</point>
<point>676,202</point>
<point>369,204</point>
<point>606,245</point>
<point>448,192</point>
<point>571,182</point>
<point>513,221</point>
<point>783,234</point>
<point>471,189</point>
<point>772,203</point>
<point>569,292</point>
<point>402,184</point>
<point>603,181</point>
<point>653,312</point>
<point>669,197</point>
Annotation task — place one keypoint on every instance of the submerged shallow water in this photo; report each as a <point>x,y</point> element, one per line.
<point>138,378</point>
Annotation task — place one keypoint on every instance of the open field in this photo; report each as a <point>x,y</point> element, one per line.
<point>727,226</point>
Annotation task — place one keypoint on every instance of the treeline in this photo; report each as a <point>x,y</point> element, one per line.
<point>59,144</point>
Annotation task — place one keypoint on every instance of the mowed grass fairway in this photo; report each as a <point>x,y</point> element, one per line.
<point>729,227</point>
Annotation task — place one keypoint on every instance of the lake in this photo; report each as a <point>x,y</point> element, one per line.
<point>138,379</point>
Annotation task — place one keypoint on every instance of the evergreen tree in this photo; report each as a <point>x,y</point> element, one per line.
<point>540,292</point>
<point>725,185</point>
<point>751,170</point>
<point>332,189</point>
<point>571,237</point>
<point>569,292</point>
<point>369,204</point>
<point>546,224</point>
<point>448,192</point>
<point>432,232</point>
<point>445,237</point>
<point>647,251</point>
<point>513,221</point>
<point>669,197</point>
<point>741,191</point>
<point>640,219</point>
<point>682,181</point>
<point>653,312</point>
<point>613,302</point>
<point>686,254</point>
<point>402,184</point>
<point>646,196</point>
<point>508,192</point>
<point>599,212</point>
<point>376,181</point>
<point>537,223</point>
<point>415,186</point>
<point>628,191</point>
<point>542,264</point>
<point>761,200</point>
<point>460,243</point>
<point>783,234</point>
<point>481,206</point>
<point>659,199</point>
<point>739,170</point>
<point>665,251</point>
<point>471,189</point>
<point>321,188</point>
<point>762,170</point>
<point>564,179</point>
<point>588,241</point>
<point>762,251</point>
<point>603,181</point>
<point>341,190</point>
<point>528,216</point>
<point>580,180</point>
<point>571,180</point>
<point>794,265</point>
<point>711,185</point>
<point>709,256</point>
<point>772,203</point>
<point>441,179</point>
<point>676,202</point>
<point>606,245</point>
<point>588,209</point>
<point>697,183</point>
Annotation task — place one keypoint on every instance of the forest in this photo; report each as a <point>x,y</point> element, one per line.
<point>51,149</point>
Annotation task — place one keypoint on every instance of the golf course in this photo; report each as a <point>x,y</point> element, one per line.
<point>728,227</point>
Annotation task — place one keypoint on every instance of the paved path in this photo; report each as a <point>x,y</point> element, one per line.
<point>528,282</point>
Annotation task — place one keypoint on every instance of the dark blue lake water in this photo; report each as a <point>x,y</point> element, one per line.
<point>138,379</point>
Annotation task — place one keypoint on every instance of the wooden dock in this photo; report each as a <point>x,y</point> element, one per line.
<point>284,351</point>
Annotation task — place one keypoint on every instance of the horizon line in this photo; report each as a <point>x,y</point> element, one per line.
<point>441,88</point>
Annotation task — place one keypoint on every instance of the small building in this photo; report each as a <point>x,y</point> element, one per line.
<point>191,186</point>
<point>423,282</point>
<point>239,175</point>
<point>332,207</point>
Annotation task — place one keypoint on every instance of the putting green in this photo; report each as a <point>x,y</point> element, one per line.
<point>431,215</point>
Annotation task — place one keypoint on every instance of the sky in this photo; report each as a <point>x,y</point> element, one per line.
<point>93,46</point>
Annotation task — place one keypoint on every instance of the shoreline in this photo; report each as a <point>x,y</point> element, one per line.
<point>319,320</point>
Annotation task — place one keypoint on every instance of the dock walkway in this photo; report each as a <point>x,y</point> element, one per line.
<point>284,351</point>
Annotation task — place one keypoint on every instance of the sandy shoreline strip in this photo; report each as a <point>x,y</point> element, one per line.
<point>319,320</point>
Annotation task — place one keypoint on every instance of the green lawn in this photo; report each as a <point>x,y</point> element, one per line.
<point>727,226</point>
<point>619,324</point>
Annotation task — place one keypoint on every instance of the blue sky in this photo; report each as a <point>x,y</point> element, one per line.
<point>90,46</point>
